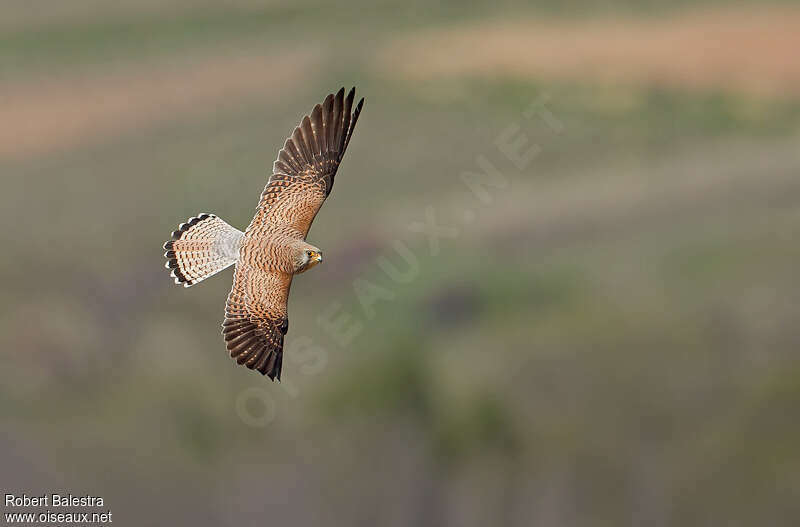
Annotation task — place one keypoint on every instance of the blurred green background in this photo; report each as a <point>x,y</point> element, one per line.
<point>611,339</point>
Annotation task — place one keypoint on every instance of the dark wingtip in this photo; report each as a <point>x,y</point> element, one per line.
<point>352,124</point>
<point>274,368</point>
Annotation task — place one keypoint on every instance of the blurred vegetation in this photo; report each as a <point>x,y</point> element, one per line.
<point>612,341</point>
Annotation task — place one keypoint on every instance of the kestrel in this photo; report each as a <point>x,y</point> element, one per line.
<point>273,248</point>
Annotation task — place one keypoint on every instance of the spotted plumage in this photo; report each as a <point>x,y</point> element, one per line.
<point>272,249</point>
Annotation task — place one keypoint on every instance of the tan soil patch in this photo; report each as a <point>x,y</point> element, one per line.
<point>755,51</point>
<point>51,115</point>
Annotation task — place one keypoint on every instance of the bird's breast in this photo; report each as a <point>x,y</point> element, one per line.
<point>268,254</point>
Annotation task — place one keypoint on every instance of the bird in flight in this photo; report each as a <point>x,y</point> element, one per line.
<point>273,248</point>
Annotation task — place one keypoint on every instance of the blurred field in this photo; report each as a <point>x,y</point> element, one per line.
<point>610,340</point>
<point>697,49</point>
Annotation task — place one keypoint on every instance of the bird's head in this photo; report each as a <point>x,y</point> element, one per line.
<point>307,257</point>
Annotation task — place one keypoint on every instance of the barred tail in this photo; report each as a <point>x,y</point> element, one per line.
<point>201,247</point>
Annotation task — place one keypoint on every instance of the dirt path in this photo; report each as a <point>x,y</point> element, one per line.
<point>52,115</point>
<point>748,50</point>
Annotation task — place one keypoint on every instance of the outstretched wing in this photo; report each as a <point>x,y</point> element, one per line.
<point>302,176</point>
<point>256,320</point>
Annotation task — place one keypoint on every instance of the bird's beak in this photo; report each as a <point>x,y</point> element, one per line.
<point>318,258</point>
